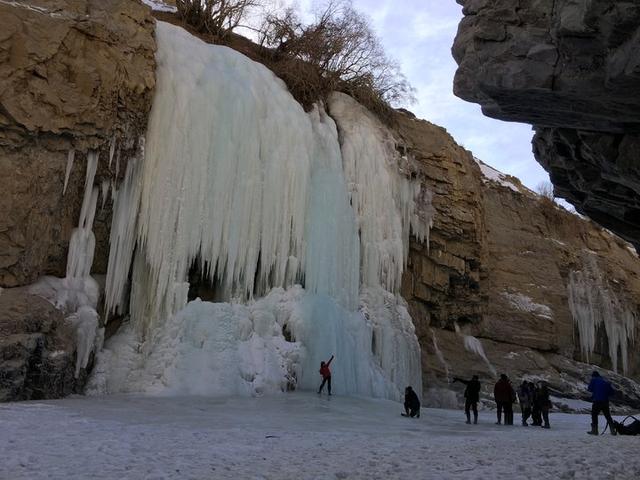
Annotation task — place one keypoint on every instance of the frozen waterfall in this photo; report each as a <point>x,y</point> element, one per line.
<point>593,303</point>
<point>260,197</point>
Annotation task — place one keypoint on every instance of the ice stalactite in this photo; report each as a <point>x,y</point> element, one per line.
<point>104,192</point>
<point>440,355</point>
<point>122,238</point>
<point>77,294</point>
<point>112,149</point>
<point>383,198</point>
<point>70,158</point>
<point>474,345</point>
<point>252,191</point>
<point>594,303</point>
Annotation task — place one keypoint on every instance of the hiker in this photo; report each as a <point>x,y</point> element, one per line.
<point>543,403</point>
<point>600,390</point>
<point>536,413</point>
<point>525,397</point>
<point>471,397</point>
<point>326,375</point>
<point>504,396</point>
<point>411,403</point>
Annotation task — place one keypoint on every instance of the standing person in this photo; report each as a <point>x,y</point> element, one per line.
<point>411,403</point>
<point>601,390</point>
<point>471,397</point>
<point>526,401</point>
<point>326,375</point>
<point>504,396</point>
<point>536,414</point>
<point>543,402</point>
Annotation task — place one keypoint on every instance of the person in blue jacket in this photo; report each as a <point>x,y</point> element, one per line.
<point>600,390</point>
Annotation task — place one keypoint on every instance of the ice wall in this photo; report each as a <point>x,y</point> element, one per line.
<point>239,180</point>
<point>383,197</point>
<point>593,304</point>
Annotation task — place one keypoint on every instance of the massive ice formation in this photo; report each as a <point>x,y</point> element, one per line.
<point>593,304</point>
<point>240,184</point>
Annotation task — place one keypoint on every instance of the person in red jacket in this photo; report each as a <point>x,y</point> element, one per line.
<point>504,395</point>
<point>326,375</point>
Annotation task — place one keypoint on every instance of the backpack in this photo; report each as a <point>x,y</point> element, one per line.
<point>631,429</point>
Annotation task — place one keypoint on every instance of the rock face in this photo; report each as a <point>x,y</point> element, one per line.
<point>75,76</point>
<point>572,69</point>
<point>36,349</point>
<point>500,267</point>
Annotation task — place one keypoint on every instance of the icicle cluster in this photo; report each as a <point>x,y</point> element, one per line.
<point>593,303</point>
<point>237,178</point>
<point>77,294</point>
<point>383,199</point>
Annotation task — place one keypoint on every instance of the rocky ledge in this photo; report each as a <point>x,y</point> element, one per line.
<point>571,68</point>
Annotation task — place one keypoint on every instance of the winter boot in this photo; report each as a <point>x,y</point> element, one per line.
<point>475,419</point>
<point>612,428</point>
<point>468,422</point>
<point>594,430</point>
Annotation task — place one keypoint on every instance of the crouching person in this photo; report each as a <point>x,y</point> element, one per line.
<point>411,403</point>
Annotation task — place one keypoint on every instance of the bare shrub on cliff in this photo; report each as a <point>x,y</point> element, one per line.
<point>340,51</point>
<point>217,17</point>
<point>545,190</point>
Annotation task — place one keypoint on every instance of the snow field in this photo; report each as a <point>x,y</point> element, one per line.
<point>292,436</point>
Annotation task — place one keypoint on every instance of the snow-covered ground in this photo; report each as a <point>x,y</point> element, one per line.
<point>292,436</point>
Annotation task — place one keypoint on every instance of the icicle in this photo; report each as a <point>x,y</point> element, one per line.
<point>439,354</point>
<point>112,149</point>
<point>104,192</point>
<point>592,303</point>
<point>70,157</point>
<point>123,235</point>
<point>473,345</point>
<point>118,164</point>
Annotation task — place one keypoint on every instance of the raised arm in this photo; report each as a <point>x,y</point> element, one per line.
<point>329,362</point>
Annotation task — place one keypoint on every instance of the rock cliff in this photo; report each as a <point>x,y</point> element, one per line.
<point>75,77</point>
<point>571,68</point>
<point>500,267</point>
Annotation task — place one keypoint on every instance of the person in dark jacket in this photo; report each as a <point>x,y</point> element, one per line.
<point>525,397</point>
<point>411,403</point>
<point>471,397</point>
<point>504,397</point>
<point>601,390</point>
<point>536,413</point>
<point>543,403</point>
<point>326,375</point>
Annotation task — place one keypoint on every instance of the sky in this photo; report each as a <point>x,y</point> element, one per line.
<point>419,34</point>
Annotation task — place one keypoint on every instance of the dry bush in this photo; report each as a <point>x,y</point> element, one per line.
<point>545,190</point>
<point>340,52</point>
<point>216,17</point>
